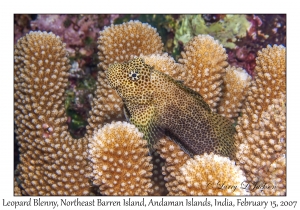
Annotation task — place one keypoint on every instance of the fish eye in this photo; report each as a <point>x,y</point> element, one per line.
<point>133,75</point>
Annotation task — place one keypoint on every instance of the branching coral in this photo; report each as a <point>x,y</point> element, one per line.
<point>236,82</point>
<point>52,163</point>
<point>121,165</point>
<point>261,154</point>
<point>261,129</point>
<point>205,59</point>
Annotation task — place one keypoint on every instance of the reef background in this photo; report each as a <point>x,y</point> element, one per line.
<point>241,35</point>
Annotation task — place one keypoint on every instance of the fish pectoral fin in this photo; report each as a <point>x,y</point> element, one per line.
<point>145,121</point>
<point>126,113</point>
<point>175,139</point>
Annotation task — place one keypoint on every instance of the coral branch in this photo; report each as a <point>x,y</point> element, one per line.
<point>210,175</point>
<point>261,130</point>
<point>52,163</point>
<point>119,43</point>
<point>236,82</point>
<point>174,158</point>
<point>121,165</point>
<point>205,59</point>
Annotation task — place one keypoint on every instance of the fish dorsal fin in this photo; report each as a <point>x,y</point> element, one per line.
<point>180,84</point>
<point>180,81</point>
<point>192,92</point>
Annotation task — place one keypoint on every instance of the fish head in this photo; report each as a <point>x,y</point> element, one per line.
<point>132,80</point>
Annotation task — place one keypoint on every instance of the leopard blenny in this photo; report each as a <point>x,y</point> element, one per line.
<point>157,104</point>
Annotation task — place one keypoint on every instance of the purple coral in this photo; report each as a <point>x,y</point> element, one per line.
<point>73,29</point>
<point>244,58</point>
<point>264,30</point>
<point>52,23</point>
<point>256,22</point>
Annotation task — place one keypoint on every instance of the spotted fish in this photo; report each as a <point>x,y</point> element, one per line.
<point>157,104</point>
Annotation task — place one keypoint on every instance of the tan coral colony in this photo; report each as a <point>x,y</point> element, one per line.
<point>261,130</point>
<point>121,165</point>
<point>51,162</point>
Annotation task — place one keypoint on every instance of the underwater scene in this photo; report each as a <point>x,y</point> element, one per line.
<point>150,104</point>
